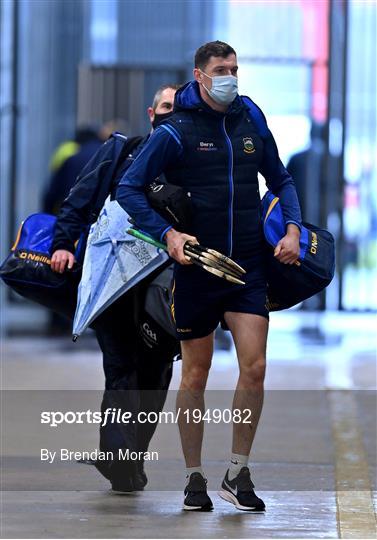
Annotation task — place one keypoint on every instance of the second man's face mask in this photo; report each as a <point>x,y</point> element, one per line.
<point>159,118</point>
<point>224,88</point>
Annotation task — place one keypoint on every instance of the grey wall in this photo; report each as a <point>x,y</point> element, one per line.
<point>41,48</point>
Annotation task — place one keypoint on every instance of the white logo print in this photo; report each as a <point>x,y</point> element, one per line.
<point>234,491</point>
<point>149,332</point>
<point>206,144</point>
<point>157,188</point>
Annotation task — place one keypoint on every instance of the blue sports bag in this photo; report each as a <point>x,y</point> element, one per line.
<point>27,268</point>
<point>289,285</point>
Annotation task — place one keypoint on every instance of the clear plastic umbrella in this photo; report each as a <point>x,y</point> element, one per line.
<point>114,262</point>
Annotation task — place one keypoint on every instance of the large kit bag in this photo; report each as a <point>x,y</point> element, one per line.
<point>287,284</point>
<point>27,268</point>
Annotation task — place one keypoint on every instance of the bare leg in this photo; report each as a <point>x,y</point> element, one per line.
<point>250,336</point>
<point>196,361</point>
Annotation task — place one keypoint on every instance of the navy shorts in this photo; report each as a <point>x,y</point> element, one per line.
<point>200,299</point>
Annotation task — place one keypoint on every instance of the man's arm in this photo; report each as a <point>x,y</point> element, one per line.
<point>76,213</point>
<point>72,221</point>
<point>163,148</point>
<point>281,183</point>
<point>84,202</point>
<point>278,180</point>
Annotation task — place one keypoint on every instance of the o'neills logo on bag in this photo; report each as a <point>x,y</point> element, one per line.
<point>28,255</point>
<point>314,244</point>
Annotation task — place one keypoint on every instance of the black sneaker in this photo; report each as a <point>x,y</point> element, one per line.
<point>122,488</point>
<point>123,481</point>
<point>240,492</point>
<point>121,476</point>
<point>140,479</point>
<point>196,497</point>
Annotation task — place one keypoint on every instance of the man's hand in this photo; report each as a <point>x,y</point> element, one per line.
<point>287,250</point>
<point>175,242</point>
<point>59,260</point>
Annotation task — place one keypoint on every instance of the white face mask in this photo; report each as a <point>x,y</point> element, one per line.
<point>224,88</point>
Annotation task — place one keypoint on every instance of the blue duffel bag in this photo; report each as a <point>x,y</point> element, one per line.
<point>27,268</point>
<point>289,285</point>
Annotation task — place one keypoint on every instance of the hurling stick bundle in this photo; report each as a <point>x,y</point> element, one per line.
<point>214,262</point>
<point>210,260</point>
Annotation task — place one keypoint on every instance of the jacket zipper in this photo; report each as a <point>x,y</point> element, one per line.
<point>231,188</point>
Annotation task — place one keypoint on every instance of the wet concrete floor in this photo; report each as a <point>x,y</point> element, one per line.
<point>313,460</point>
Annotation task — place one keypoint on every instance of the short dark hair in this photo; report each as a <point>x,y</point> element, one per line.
<point>159,91</point>
<point>213,48</point>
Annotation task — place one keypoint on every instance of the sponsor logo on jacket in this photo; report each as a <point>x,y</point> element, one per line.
<point>206,147</point>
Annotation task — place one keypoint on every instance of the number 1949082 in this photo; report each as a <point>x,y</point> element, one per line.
<point>217,416</point>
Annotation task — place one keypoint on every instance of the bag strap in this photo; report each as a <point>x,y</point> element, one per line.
<point>123,146</point>
<point>128,148</point>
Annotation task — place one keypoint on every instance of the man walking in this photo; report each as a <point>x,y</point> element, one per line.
<point>137,375</point>
<point>214,145</point>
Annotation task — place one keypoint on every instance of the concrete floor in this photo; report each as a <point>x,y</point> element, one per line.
<point>313,460</point>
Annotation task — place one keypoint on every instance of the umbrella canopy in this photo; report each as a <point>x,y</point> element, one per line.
<point>114,262</point>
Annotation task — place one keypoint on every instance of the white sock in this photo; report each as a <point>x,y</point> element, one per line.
<point>190,470</point>
<point>236,463</point>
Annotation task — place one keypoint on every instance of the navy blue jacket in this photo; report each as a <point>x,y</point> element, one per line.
<point>91,188</point>
<point>216,157</point>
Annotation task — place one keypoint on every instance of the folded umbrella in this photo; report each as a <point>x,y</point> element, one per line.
<point>114,262</point>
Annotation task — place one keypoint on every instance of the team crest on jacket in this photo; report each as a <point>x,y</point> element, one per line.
<point>248,145</point>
